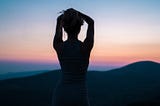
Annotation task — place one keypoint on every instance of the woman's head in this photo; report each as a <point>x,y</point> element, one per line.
<point>72,22</point>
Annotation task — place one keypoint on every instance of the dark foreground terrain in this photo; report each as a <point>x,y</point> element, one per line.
<point>136,84</point>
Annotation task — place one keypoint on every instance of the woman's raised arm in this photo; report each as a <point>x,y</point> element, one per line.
<point>58,35</point>
<point>89,41</point>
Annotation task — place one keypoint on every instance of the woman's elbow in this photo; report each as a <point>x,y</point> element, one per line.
<point>91,22</point>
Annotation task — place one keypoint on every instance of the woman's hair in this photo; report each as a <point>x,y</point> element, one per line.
<point>72,21</point>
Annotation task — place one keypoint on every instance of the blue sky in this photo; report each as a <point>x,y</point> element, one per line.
<point>125,30</point>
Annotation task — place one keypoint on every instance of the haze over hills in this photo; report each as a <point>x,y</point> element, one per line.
<point>15,67</point>
<point>20,74</point>
<point>136,84</point>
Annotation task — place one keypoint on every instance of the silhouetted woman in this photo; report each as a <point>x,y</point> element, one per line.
<point>73,56</point>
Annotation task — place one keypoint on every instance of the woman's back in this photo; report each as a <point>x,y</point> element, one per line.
<point>73,58</point>
<point>71,88</point>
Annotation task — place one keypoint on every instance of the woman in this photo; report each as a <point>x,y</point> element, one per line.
<point>73,56</point>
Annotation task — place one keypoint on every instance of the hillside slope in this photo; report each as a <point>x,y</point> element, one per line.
<point>132,85</point>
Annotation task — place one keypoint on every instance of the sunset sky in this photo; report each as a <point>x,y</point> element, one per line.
<point>125,30</point>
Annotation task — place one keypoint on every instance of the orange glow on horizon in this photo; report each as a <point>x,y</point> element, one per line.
<point>113,57</point>
<point>106,53</point>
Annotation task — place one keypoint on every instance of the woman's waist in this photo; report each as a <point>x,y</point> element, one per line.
<point>72,77</point>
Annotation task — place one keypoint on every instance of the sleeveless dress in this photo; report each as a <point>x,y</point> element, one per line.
<point>71,89</point>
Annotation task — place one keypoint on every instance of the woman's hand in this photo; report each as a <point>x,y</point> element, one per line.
<point>59,20</point>
<point>72,9</point>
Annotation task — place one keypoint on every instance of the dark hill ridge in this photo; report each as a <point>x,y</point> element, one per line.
<point>133,85</point>
<point>147,66</point>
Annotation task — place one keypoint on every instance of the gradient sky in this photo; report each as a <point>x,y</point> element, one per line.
<point>125,30</point>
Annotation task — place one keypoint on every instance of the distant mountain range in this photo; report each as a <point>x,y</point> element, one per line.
<point>10,75</point>
<point>137,84</point>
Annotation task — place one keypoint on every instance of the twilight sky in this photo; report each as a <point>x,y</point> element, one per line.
<point>125,30</point>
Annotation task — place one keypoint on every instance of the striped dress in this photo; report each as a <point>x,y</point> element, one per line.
<point>71,89</point>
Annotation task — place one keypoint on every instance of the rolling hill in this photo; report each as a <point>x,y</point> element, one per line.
<point>10,75</point>
<point>136,84</point>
